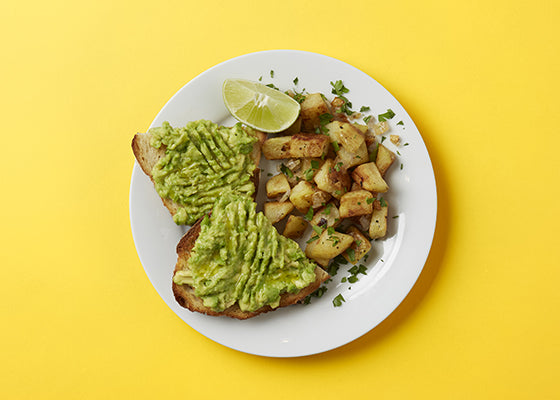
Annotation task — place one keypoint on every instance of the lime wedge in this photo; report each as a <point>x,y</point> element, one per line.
<point>259,106</point>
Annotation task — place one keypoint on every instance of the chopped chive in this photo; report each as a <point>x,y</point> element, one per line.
<point>286,171</point>
<point>317,229</point>
<point>313,239</point>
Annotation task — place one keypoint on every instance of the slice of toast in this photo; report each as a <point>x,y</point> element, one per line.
<point>186,297</point>
<point>148,156</point>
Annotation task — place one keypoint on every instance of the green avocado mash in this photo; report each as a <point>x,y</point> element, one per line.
<point>240,257</point>
<point>202,161</point>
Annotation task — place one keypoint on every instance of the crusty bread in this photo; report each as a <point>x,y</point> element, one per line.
<point>186,297</point>
<point>148,156</point>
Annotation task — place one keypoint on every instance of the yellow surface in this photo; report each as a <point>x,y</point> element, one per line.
<point>79,316</point>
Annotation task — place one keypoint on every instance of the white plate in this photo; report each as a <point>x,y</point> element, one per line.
<point>395,262</point>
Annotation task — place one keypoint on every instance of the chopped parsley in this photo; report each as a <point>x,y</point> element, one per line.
<point>271,73</point>
<point>400,123</point>
<point>364,109</point>
<point>368,118</point>
<point>335,146</point>
<point>385,116</point>
<point>337,301</point>
<point>309,214</point>
<point>296,80</point>
<point>370,200</point>
<point>383,202</point>
<point>286,171</point>
<point>314,164</point>
<point>317,229</point>
<point>271,85</point>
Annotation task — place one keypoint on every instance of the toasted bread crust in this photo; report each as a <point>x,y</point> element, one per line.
<point>186,297</point>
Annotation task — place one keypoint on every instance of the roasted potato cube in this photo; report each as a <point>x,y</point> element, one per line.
<point>369,177</point>
<point>360,247</point>
<point>295,227</point>
<point>384,159</point>
<point>351,159</point>
<point>320,198</point>
<point>329,245</point>
<point>302,196</point>
<point>312,107</point>
<point>277,148</point>
<point>333,179</point>
<point>345,134</point>
<point>327,216</point>
<point>308,145</point>
<point>359,202</point>
<point>378,225</point>
<point>296,146</point>
<point>294,128</point>
<point>275,211</point>
<point>277,185</point>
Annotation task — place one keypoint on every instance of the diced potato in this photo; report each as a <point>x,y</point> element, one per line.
<point>327,216</point>
<point>333,179</point>
<point>295,227</point>
<point>320,198</point>
<point>275,211</point>
<point>329,245</point>
<point>378,226</point>
<point>384,159</point>
<point>308,145</point>
<point>360,247</point>
<point>369,177</point>
<point>345,134</point>
<point>361,127</point>
<point>380,128</point>
<point>359,202</point>
<point>277,148</point>
<point>302,196</point>
<point>311,108</point>
<point>294,128</point>
<point>351,159</point>
<point>277,185</point>
<point>295,146</point>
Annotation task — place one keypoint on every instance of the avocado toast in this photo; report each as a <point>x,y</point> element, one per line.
<point>235,263</point>
<point>192,165</point>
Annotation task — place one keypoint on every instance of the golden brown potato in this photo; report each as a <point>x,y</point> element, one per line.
<point>359,202</point>
<point>308,145</point>
<point>333,179</point>
<point>311,108</point>
<point>275,211</point>
<point>295,227</point>
<point>277,148</point>
<point>295,146</point>
<point>351,159</point>
<point>378,226</point>
<point>327,216</point>
<point>384,159</point>
<point>302,196</point>
<point>277,185</point>
<point>359,248</point>
<point>345,134</point>
<point>329,245</point>
<point>294,128</point>
<point>369,178</point>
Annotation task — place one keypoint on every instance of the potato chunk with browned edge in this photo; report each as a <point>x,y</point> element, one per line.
<point>277,185</point>
<point>295,227</point>
<point>312,107</point>
<point>359,248</point>
<point>378,225</point>
<point>359,202</point>
<point>329,245</point>
<point>275,211</point>
<point>369,178</point>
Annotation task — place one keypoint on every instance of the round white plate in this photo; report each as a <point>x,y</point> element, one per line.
<point>394,263</point>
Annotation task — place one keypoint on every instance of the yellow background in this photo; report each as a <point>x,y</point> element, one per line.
<point>79,316</point>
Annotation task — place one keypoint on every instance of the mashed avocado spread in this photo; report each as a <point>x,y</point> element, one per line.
<point>202,161</point>
<point>240,257</point>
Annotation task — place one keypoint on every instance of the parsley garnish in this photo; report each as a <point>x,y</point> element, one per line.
<point>383,202</point>
<point>370,200</point>
<point>339,89</point>
<point>351,255</point>
<point>364,109</point>
<point>337,301</point>
<point>368,118</point>
<point>335,146</point>
<point>314,164</point>
<point>309,214</point>
<point>271,85</point>
<point>312,239</point>
<point>385,116</point>
<point>327,209</point>
<point>317,229</point>
<point>308,174</point>
<point>400,123</point>
<point>296,80</point>
<point>286,171</point>
<point>271,73</point>
<point>338,166</point>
